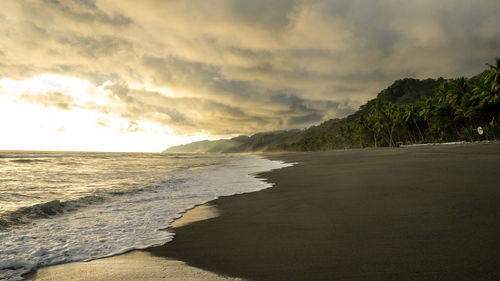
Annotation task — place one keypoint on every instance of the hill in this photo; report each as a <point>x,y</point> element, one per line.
<point>408,111</point>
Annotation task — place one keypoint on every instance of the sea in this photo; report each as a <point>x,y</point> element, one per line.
<point>61,207</point>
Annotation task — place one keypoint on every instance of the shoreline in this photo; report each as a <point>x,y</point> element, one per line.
<point>136,264</point>
<point>318,222</point>
<point>449,143</point>
<point>422,213</point>
<point>198,212</point>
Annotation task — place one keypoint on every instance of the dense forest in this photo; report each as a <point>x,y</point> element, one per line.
<point>410,111</point>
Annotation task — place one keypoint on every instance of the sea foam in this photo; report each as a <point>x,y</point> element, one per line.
<point>132,220</point>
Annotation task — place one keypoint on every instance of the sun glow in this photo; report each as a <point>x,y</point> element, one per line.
<point>53,112</point>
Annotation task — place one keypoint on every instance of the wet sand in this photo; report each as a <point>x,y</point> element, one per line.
<point>419,213</point>
<point>136,265</point>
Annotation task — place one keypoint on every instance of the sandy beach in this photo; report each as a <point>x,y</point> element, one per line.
<point>423,213</point>
<point>419,213</point>
<point>136,265</point>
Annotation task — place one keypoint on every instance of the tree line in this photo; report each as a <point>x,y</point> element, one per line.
<point>460,109</point>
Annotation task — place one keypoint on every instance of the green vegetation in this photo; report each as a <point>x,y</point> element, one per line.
<point>410,111</point>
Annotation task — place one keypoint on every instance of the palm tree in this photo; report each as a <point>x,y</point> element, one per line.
<point>373,124</point>
<point>426,108</point>
<point>487,94</point>
<point>362,130</point>
<point>488,89</point>
<point>493,75</point>
<point>460,89</point>
<point>411,115</point>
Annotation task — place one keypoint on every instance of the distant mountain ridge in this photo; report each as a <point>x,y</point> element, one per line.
<point>256,142</point>
<point>401,91</point>
<point>408,111</point>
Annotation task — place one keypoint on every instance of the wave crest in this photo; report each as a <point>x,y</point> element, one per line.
<point>45,210</point>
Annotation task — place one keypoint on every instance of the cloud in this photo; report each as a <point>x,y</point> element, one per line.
<point>229,67</point>
<point>87,11</point>
<point>275,15</point>
<point>49,99</point>
<point>95,48</point>
<point>305,119</point>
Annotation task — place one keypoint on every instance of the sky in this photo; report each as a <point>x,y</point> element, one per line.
<point>118,75</point>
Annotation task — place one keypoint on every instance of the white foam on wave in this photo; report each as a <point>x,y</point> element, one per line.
<point>130,221</point>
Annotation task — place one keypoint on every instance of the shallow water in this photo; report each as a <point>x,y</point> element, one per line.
<point>63,207</point>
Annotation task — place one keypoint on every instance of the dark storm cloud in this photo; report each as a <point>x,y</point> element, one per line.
<point>269,14</point>
<point>176,71</point>
<point>184,114</point>
<point>305,119</point>
<point>295,104</point>
<point>302,112</point>
<point>245,66</point>
<point>371,22</point>
<point>201,76</point>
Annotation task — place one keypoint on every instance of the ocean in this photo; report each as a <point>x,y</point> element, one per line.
<point>60,207</point>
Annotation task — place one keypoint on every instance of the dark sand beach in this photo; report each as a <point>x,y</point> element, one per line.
<point>418,213</point>
<point>421,213</point>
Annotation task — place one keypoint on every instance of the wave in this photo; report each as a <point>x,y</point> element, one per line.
<point>132,220</point>
<point>52,208</point>
<point>56,207</point>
